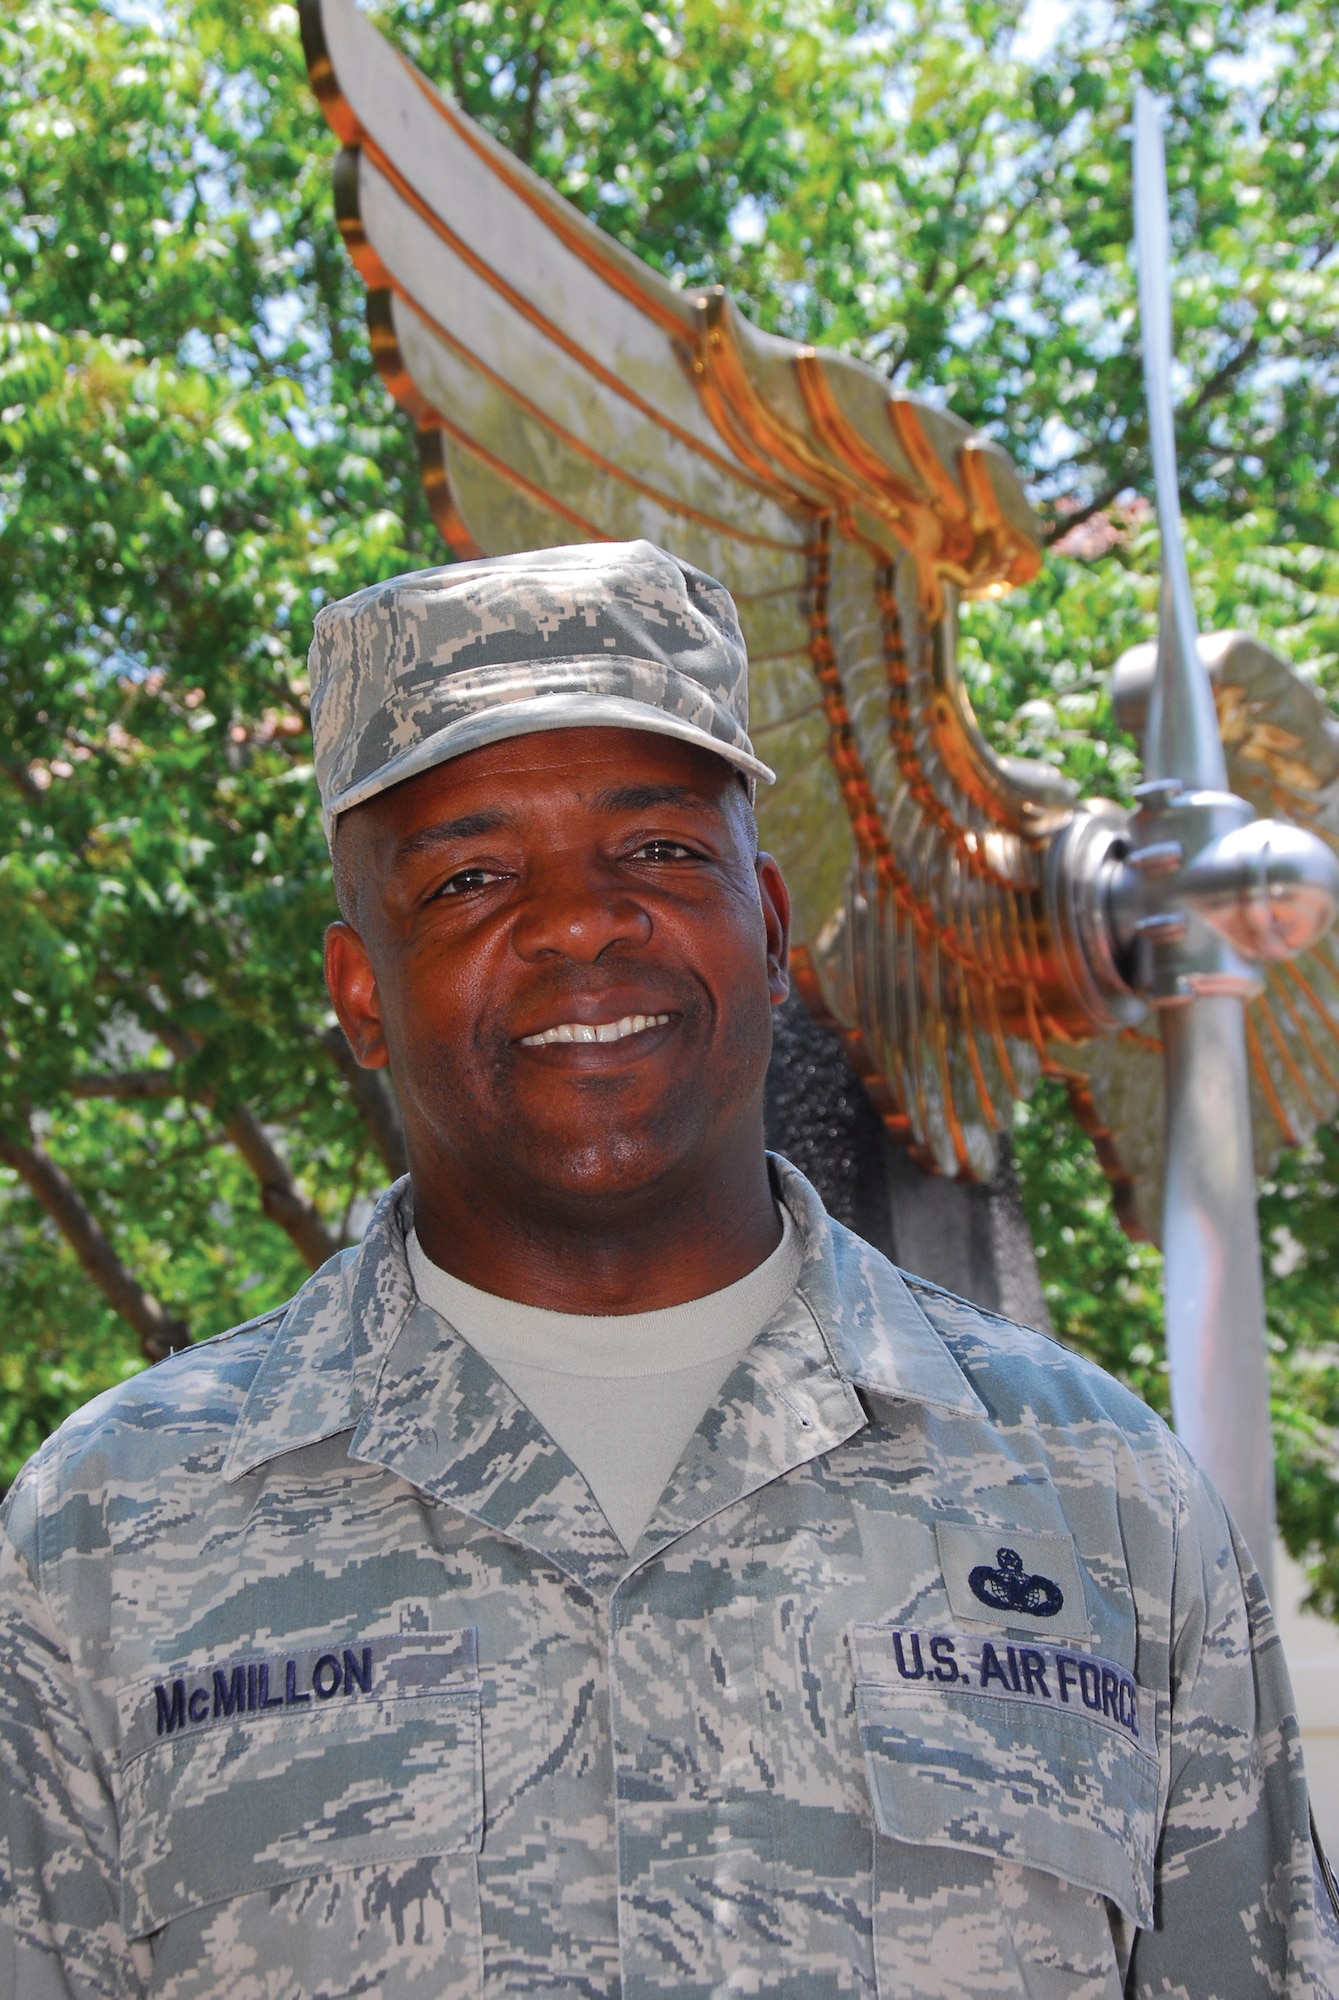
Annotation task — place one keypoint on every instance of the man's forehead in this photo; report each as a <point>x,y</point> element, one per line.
<point>603,771</point>
<point>577,760</point>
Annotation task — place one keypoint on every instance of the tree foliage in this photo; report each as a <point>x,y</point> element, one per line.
<point>195,452</point>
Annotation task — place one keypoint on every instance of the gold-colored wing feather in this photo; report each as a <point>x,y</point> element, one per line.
<point>564,392</point>
<point>1283,755</point>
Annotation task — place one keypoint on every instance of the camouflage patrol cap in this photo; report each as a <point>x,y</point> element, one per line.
<point>411,672</point>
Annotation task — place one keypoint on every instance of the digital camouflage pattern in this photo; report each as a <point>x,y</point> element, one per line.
<point>324,1675</point>
<point>411,672</point>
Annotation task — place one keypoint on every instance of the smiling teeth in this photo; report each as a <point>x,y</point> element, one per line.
<point>607,1031</point>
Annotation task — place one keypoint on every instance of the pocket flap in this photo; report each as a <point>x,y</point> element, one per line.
<point>1026,1753</point>
<point>249,1773</point>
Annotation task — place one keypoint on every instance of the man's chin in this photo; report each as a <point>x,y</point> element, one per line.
<point>595,1170</point>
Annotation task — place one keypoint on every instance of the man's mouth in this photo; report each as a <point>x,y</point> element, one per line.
<point>591,1031</point>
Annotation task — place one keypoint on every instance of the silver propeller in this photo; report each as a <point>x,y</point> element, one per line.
<point>1207,892</point>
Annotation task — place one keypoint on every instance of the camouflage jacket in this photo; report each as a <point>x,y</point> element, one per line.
<point>936,1675</point>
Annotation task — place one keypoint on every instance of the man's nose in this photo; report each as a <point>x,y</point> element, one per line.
<point>574,914</point>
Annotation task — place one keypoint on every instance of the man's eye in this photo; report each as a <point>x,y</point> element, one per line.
<point>468,880</point>
<point>664,850</point>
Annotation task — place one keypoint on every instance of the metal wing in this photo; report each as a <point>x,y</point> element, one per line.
<point>1282,748</point>
<point>564,392</point>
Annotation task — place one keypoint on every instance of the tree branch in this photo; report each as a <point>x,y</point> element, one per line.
<point>525,138</point>
<point>374,1094</point>
<point>282,1199</point>
<point>128,1083</point>
<point>19,776</point>
<point>159,1332</point>
<point>930,277</point>
<point>1222,378</point>
<point>1066,524</point>
<point>1225,374</point>
<point>280,1195</point>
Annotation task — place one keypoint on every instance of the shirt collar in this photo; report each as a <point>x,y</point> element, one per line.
<point>321,1369</point>
<point>357,1351</point>
<point>876,1333</point>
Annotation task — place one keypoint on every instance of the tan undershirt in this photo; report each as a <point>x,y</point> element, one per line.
<point>621,1394</point>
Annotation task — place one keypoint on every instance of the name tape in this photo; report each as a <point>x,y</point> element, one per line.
<point>1048,1677</point>
<point>389,1668</point>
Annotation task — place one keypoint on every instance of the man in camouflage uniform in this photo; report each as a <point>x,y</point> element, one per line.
<point>933,1669</point>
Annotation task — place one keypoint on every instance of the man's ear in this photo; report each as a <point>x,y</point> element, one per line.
<point>352,986</point>
<point>775,899</point>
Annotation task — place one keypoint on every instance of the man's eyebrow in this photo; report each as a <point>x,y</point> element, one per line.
<point>642,798</point>
<point>469,826</point>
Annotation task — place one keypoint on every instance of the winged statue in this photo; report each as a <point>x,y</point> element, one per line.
<point>958,912</point>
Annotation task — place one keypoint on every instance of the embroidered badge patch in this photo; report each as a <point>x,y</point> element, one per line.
<point>999,1576</point>
<point>1008,1589</point>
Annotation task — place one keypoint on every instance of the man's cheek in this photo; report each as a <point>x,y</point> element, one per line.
<point>445,1076</point>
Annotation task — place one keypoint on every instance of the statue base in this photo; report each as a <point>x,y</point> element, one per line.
<point>970,1237</point>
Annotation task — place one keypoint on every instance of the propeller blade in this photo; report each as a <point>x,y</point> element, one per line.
<point>1213,1295</point>
<point>1183,740</point>
<point>1214,1298</point>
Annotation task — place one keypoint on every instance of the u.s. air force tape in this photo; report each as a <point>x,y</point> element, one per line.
<point>900,1660</point>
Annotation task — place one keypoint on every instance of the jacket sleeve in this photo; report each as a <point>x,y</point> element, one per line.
<point>1242,1907</point>
<point>59,1895</point>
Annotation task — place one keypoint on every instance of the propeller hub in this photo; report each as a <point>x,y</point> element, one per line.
<point>1269,888</point>
<point>1206,892</point>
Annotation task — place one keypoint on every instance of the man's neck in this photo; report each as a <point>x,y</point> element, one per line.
<point>637,1252</point>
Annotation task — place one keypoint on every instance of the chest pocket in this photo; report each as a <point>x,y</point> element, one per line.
<point>255,1773</point>
<point>1016,1787</point>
